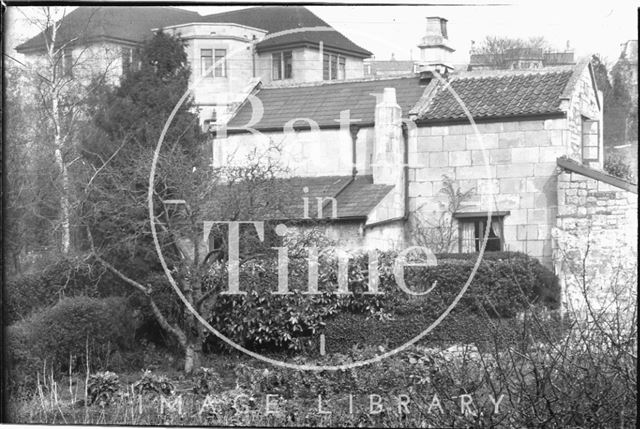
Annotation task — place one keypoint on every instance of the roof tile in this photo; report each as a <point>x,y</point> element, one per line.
<point>501,94</point>
<point>355,197</point>
<point>323,103</point>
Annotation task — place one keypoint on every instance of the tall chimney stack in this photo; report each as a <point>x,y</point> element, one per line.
<point>435,49</point>
<point>389,156</point>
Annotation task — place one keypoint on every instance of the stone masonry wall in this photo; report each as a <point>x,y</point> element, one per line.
<point>596,235</point>
<point>515,172</point>
<point>583,103</point>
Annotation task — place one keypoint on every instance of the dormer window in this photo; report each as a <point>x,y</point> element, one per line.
<point>282,65</point>
<point>333,67</point>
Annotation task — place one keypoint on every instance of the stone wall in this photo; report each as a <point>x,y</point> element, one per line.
<point>512,169</point>
<point>326,152</point>
<point>595,246</point>
<point>583,104</point>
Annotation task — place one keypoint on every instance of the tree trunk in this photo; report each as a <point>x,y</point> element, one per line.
<point>192,357</point>
<point>64,204</point>
<point>64,174</point>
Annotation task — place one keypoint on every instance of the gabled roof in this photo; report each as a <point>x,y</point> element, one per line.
<point>498,94</point>
<point>356,197</point>
<point>134,25</point>
<point>124,24</point>
<point>280,18</point>
<point>323,102</point>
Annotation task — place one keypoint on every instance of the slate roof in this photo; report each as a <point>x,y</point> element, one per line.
<point>279,18</point>
<point>134,24</point>
<point>324,102</point>
<point>355,197</point>
<point>126,24</point>
<point>490,94</point>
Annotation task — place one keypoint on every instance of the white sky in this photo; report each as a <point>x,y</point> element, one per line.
<point>591,27</point>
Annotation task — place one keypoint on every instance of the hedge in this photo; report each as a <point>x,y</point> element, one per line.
<point>64,277</point>
<point>62,335</point>
<point>504,285</point>
<point>345,331</point>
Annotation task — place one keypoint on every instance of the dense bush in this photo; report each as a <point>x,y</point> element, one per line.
<point>64,277</point>
<point>504,285</point>
<point>345,331</point>
<point>66,335</point>
<point>616,166</point>
<point>260,320</point>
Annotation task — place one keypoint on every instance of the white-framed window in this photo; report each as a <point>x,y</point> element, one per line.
<point>333,67</point>
<point>590,140</point>
<point>282,65</point>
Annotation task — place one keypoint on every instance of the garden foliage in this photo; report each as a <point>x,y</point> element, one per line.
<point>62,338</point>
<point>504,285</point>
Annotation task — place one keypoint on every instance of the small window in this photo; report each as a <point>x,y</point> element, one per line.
<point>137,59</point>
<point>67,62</point>
<point>206,62</point>
<point>127,59</point>
<point>282,65</point>
<point>471,231</point>
<point>220,69</point>
<point>287,61</point>
<point>333,67</point>
<point>590,140</point>
<point>325,67</point>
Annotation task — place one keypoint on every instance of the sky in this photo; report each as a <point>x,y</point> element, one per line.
<point>590,27</point>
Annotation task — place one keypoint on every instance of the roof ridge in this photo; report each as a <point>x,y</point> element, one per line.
<point>335,82</point>
<point>480,74</point>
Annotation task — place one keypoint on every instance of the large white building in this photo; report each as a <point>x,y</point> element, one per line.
<point>229,53</point>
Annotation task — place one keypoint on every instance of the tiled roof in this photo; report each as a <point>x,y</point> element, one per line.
<point>355,198</point>
<point>127,24</point>
<point>279,18</point>
<point>134,24</point>
<point>324,102</point>
<point>496,94</point>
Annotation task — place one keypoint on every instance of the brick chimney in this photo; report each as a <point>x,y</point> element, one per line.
<point>435,49</point>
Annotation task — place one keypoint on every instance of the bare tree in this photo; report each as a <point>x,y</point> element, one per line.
<point>497,52</point>
<point>440,233</point>
<point>62,83</point>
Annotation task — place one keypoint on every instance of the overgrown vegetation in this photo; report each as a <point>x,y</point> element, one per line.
<point>618,167</point>
<point>64,338</point>
<point>440,234</point>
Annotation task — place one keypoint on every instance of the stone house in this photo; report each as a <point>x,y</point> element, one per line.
<point>228,52</point>
<point>534,129</point>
